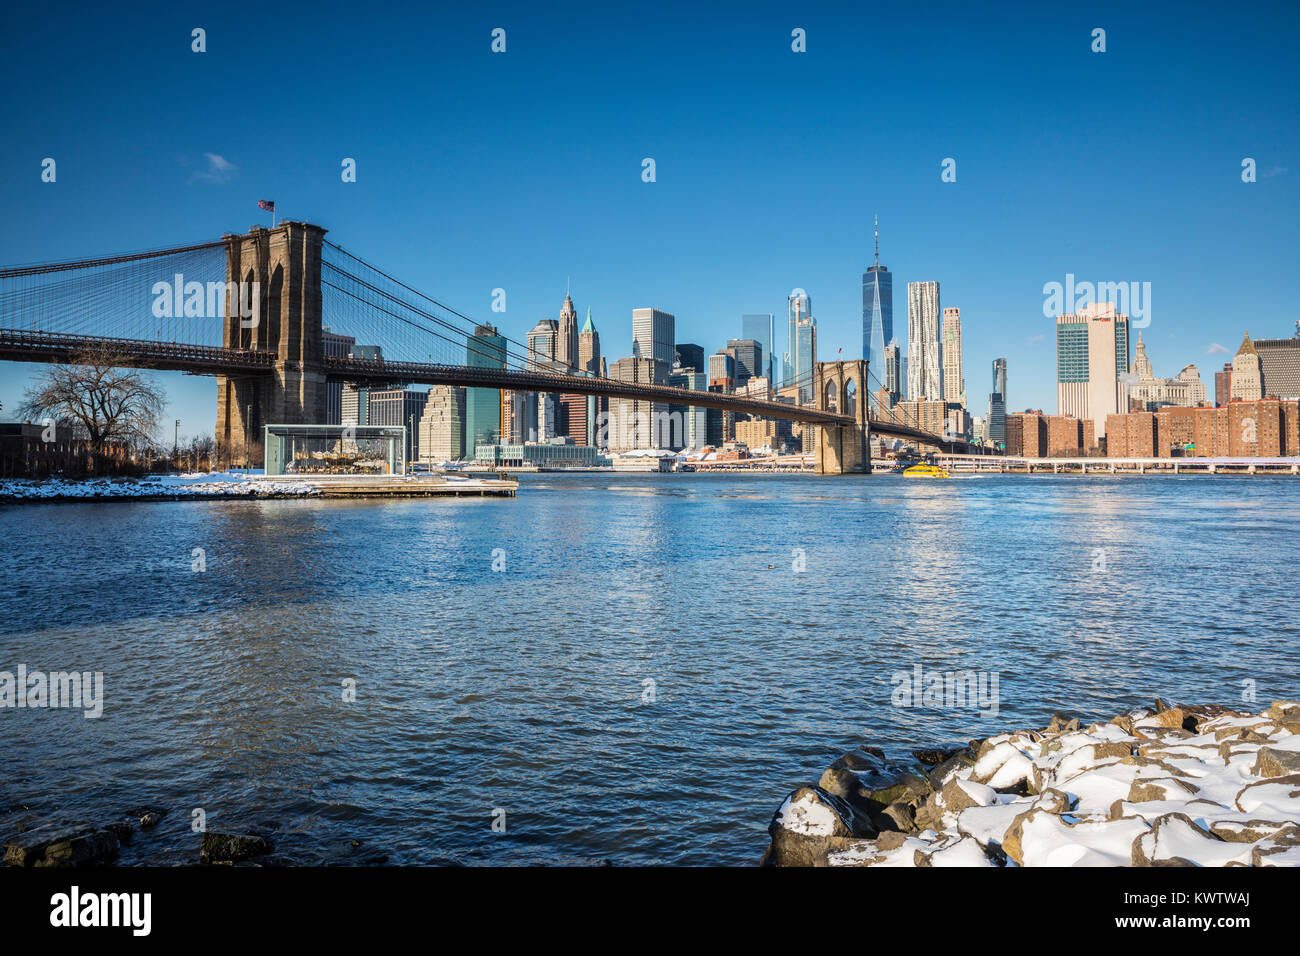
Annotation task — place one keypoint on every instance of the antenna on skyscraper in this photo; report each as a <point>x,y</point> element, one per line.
<point>877,238</point>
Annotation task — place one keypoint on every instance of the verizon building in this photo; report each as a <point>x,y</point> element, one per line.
<point>1092,364</point>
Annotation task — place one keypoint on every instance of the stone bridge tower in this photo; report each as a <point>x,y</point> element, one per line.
<point>842,387</point>
<point>278,274</point>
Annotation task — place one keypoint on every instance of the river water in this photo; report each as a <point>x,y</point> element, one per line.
<point>642,677</point>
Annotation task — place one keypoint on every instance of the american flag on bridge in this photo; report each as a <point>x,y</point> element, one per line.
<point>267,204</point>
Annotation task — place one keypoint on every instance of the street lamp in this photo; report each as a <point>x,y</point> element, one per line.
<point>176,440</point>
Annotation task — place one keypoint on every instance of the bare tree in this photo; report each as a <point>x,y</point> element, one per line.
<point>111,403</point>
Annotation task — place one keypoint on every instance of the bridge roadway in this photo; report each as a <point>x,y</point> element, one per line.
<point>17,345</point>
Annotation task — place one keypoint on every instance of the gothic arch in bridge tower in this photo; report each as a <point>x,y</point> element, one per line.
<point>281,270</point>
<point>842,449</point>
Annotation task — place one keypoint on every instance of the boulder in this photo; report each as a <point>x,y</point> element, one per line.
<point>810,824</point>
<point>61,845</point>
<point>960,760</point>
<point>1271,762</point>
<point>1281,849</point>
<point>232,847</point>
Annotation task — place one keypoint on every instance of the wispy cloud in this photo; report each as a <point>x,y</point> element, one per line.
<point>1273,171</point>
<point>1216,349</point>
<point>1034,339</point>
<point>218,170</point>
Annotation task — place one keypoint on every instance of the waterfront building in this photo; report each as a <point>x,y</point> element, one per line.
<point>979,429</point>
<point>954,383</point>
<point>1066,436</point>
<point>1279,365</point>
<point>1092,363</point>
<point>399,407</point>
<point>484,349</point>
<point>877,310</point>
<point>654,337</point>
<point>759,327</point>
<point>442,426</point>
<point>757,433</point>
<point>997,420</point>
<point>549,455</point>
<point>924,344</point>
<point>1027,434</point>
<point>1264,428</point>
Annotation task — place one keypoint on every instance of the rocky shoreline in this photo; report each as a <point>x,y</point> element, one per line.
<point>151,488</point>
<point>1195,785</point>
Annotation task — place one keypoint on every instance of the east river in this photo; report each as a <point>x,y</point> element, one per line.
<point>625,668</point>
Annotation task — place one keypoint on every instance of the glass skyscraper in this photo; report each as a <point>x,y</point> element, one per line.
<point>997,420</point>
<point>484,349</point>
<point>877,312</point>
<point>800,307</point>
<point>759,328</point>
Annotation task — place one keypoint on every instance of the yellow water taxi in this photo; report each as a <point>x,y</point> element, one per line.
<point>924,471</point>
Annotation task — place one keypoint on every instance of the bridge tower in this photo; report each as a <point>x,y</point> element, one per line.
<point>842,387</point>
<point>280,270</point>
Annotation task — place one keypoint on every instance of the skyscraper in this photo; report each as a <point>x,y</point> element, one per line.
<point>543,340</point>
<point>589,362</point>
<point>1092,362</point>
<point>805,357</point>
<point>691,356</point>
<point>760,329</point>
<point>748,354</point>
<point>484,349</point>
<point>1247,373</point>
<point>996,426</point>
<point>799,305</point>
<point>877,311</point>
<point>566,342</point>
<point>924,345</point>
<point>654,337</point>
<point>442,426</point>
<point>589,347</point>
<point>954,385</point>
<point>400,407</point>
<point>892,374</point>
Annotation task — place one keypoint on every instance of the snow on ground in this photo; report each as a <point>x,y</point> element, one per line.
<point>1189,786</point>
<point>219,483</point>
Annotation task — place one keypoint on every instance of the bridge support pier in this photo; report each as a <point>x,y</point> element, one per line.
<point>842,449</point>
<point>281,270</point>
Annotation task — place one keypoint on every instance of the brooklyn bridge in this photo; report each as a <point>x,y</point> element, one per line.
<point>256,310</point>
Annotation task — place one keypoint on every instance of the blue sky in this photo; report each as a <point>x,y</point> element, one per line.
<point>478,170</point>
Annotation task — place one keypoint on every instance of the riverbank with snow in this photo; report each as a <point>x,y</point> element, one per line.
<point>219,484</point>
<point>1169,786</point>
